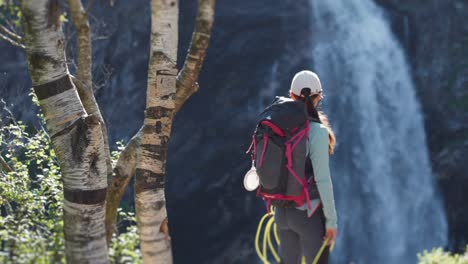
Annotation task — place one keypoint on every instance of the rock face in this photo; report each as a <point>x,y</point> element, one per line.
<point>256,47</point>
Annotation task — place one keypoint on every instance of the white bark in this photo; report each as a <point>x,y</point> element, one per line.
<point>155,244</point>
<point>87,245</point>
<point>76,136</point>
<point>164,98</point>
<point>48,42</point>
<point>61,110</point>
<point>151,157</point>
<point>84,76</point>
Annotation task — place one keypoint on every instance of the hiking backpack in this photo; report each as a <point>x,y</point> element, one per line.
<point>279,145</point>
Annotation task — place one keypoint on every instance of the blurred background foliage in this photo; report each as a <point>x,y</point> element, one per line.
<point>31,224</point>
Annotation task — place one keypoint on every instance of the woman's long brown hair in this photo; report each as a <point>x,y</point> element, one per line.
<point>317,115</point>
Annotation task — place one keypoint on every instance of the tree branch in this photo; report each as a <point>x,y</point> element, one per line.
<point>5,166</point>
<point>84,54</point>
<point>90,5</point>
<point>15,37</point>
<point>11,41</point>
<point>187,77</point>
<point>91,107</point>
<point>84,77</point>
<point>123,172</point>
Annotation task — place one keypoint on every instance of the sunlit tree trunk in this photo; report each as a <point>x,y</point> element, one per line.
<point>84,76</point>
<point>151,156</point>
<point>161,102</point>
<point>147,150</point>
<point>76,136</point>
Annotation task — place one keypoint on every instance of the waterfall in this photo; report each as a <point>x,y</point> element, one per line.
<point>388,208</point>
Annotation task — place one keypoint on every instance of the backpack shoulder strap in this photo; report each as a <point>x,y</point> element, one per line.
<point>275,102</point>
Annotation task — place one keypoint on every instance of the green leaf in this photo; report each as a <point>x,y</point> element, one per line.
<point>63,18</point>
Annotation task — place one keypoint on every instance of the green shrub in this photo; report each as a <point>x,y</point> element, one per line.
<point>124,247</point>
<point>31,199</point>
<point>439,256</point>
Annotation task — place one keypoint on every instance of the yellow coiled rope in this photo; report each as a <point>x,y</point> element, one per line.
<point>266,237</point>
<point>257,238</point>
<point>270,224</point>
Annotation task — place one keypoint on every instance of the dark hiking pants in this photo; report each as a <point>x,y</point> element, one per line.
<point>300,235</point>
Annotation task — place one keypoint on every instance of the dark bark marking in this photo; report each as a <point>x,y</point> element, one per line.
<point>158,127</point>
<point>159,55</point>
<point>79,140</point>
<point>85,196</point>
<point>36,60</point>
<point>148,180</point>
<point>160,150</point>
<point>152,148</point>
<point>157,112</point>
<point>67,129</point>
<point>52,88</point>
<point>164,73</point>
<point>94,161</point>
<point>156,152</point>
<point>169,96</point>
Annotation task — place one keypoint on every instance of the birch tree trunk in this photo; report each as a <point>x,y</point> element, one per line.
<point>150,143</point>
<point>151,156</point>
<point>84,76</point>
<point>163,89</point>
<point>76,136</point>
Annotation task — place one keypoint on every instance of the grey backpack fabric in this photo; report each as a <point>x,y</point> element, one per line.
<point>279,154</point>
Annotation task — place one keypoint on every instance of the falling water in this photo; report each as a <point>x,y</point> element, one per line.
<point>387,205</point>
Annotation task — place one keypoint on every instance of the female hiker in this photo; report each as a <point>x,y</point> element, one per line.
<point>303,229</point>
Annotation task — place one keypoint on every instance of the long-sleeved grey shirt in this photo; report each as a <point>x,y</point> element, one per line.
<point>317,151</point>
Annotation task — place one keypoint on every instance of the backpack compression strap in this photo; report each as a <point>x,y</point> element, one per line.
<point>290,146</point>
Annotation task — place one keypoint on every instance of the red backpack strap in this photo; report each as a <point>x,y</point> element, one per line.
<point>268,204</point>
<point>265,142</point>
